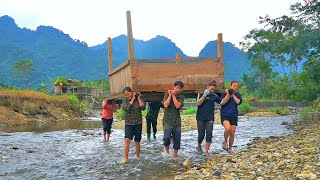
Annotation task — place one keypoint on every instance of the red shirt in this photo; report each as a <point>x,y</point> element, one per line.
<point>107,112</point>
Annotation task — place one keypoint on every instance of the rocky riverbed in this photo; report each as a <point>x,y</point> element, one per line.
<point>296,156</point>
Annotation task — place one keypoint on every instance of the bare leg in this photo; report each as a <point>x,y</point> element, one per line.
<point>167,149</point>
<point>126,148</point>
<point>137,149</point>
<point>227,130</point>
<point>199,148</point>
<point>231,139</point>
<point>108,136</point>
<point>207,149</point>
<point>104,137</point>
<point>175,154</point>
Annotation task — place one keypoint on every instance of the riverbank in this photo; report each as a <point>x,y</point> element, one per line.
<point>21,107</point>
<point>295,156</point>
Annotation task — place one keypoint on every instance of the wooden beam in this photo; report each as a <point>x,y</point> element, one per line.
<point>110,54</point>
<point>178,58</point>
<point>220,46</point>
<point>130,38</point>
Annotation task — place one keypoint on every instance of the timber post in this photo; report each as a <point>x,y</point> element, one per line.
<point>130,38</point>
<point>110,54</point>
<point>178,59</point>
<point>220,46</point>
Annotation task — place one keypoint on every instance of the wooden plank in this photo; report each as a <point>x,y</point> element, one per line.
<point>121,66</point>
<point>173,61</point>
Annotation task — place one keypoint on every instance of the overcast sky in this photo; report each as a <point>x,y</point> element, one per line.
<point>190,24</point>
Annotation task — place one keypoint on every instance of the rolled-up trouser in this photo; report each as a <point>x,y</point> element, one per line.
<point>205,128</point>
<point>175,132</point>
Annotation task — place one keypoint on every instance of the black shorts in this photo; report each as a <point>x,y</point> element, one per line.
<point>232,119</point>
<point>133,130</point>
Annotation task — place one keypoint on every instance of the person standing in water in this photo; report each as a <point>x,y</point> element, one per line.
<point>132,105</point>
<point>107,118</point>
<point>152,117</point>
<point>205,115</point>
<point>229,114</point>
<point>172,102</point>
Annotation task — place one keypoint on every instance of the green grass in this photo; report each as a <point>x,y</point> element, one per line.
<point>245,107</point>
<point>280,110</point>
<point>189,111</point>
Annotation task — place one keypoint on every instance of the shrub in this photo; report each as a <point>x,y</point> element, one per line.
<point>120,114</point>
<point>245,107</point>
<point>189,111</point>
<point>280,110</point>
<point>74,100</point>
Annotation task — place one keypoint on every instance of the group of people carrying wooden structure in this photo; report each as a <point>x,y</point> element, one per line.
<point>168,82</point>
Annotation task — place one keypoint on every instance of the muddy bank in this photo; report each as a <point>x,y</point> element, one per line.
<point>23,107</point>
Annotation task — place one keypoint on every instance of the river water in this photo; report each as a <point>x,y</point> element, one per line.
<point>75,150</point>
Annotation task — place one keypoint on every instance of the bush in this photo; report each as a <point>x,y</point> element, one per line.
<point>189,111</point>
<point>280,110</point>
<point>245,107</point>
<point>120,114</point>
<point>74,100</point>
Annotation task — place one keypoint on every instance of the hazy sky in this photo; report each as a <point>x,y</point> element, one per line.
<point>190,24</point>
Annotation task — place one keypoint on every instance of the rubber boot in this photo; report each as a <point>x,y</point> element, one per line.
<point>148,136</point>
<point>154,136</point>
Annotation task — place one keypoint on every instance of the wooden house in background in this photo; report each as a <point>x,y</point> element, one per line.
<point>153,77</point>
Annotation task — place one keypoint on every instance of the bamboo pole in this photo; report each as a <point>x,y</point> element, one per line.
<point>110,54</point>
<point>130,37</point>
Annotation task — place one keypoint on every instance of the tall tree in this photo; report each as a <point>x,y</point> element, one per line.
<point>287,40</point>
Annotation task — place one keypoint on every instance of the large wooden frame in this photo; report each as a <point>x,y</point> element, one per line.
<point>153,77</point>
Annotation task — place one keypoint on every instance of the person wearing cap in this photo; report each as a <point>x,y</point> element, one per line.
<point>172,103</point>
<point>205,115</point>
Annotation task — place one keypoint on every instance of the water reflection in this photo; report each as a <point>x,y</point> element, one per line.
<point>56,126</point>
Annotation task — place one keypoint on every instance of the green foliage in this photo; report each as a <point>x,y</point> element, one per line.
<point>245,107</point>
<point>305,112</point>
<point>280,110</point>
<point>312,111</point>
<point>286,42</point>
<point>61,80</point>
<point>120,114</point>
<point>104,84</point>
<point>74,100</point>
<point>189,111</point>
<point>22,70</point>
<point>44,87</point>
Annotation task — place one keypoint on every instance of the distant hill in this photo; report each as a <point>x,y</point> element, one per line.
<point>55,53</point>
<point>235,60</point>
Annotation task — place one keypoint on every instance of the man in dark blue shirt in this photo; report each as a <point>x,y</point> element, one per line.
<point>229,114</point>
<point>205,115</point>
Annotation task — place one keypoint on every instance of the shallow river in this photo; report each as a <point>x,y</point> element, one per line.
<point>71,150</point>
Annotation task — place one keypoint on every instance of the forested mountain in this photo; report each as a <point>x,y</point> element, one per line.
<point>54,53</point>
